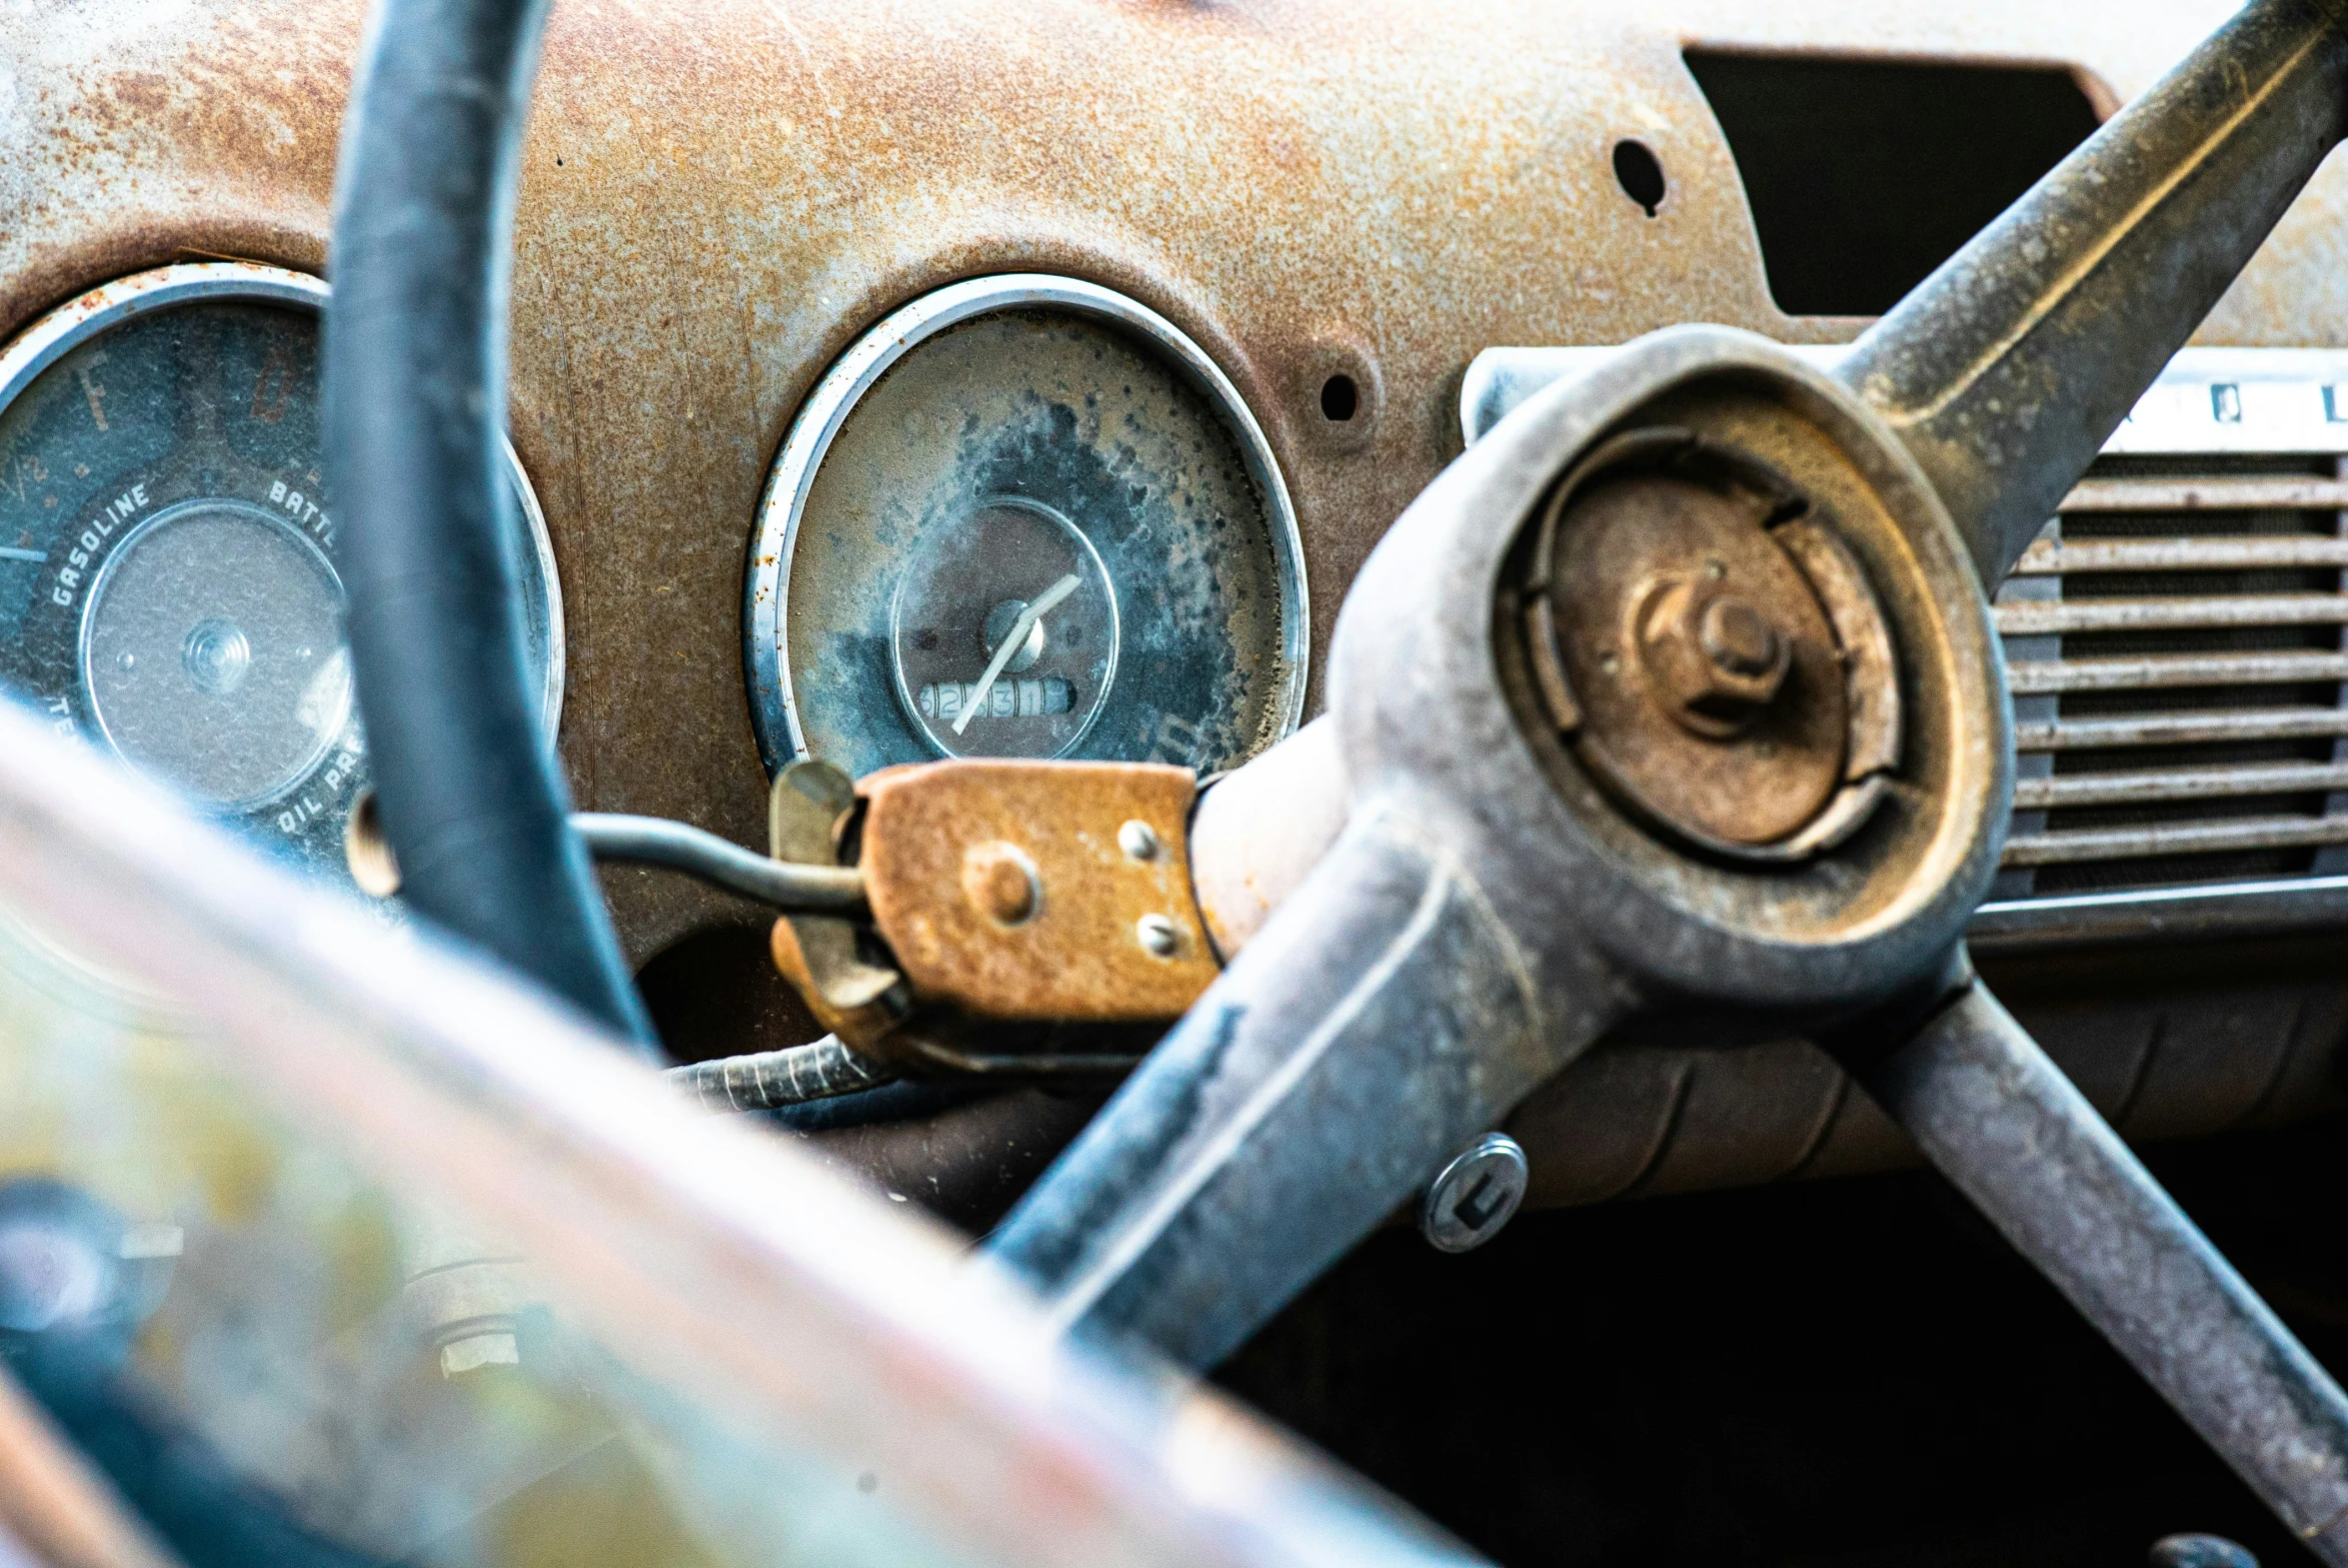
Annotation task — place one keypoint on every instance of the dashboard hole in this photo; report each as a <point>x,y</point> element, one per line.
<point>1640,174</point>
<point>1340,398</point>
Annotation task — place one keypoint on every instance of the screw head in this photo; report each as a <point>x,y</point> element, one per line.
<point>1138,840</point>
<point>999,881</point>
<point>1157,935</point>
<point>1714,661</point>
<point>2200,1551</point>
<point>1475,1194</point>
<point>1738,639</point>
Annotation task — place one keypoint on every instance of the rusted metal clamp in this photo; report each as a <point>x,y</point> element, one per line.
<point>1026,916</point>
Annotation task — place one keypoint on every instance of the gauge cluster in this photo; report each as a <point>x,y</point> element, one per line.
<point>168,588</point>
<point>1025,517</point>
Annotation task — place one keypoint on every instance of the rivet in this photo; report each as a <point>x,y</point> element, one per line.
<point>1157,935</point>
<point>1001,882</point>
<point>1138,840</point>
<point>1475,1194</point>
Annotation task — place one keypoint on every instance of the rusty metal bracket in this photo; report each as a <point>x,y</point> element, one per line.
<point>823,956</point>
<point>1027,917</point>
<point>1038,891</point>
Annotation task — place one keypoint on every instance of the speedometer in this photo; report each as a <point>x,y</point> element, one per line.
<point>168,589</point>
<point>1025,516</point>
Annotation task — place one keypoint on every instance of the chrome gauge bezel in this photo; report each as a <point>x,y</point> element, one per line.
<point>774,704</point>
<point>187,283</point>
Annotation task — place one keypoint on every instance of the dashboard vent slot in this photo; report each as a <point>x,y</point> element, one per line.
<point>2176,649</point>
<point>1865,172</point>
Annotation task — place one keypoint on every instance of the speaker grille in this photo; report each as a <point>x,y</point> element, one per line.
<point>2175,651</point>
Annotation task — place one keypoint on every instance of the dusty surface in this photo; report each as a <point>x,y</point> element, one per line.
<point>720,193</point>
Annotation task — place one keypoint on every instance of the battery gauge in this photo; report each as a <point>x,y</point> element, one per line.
<point>168,588</point>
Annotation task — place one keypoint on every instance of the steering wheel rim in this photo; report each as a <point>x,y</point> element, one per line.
<point>476,811</point>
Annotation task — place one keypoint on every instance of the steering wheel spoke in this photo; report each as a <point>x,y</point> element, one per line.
<point>1999,1119</point>
<point>1386,1019</point>
<point>2006,370</point>
<point>1598,768</point>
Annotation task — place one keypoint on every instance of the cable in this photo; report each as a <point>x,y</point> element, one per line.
<point>679,846</point>
<point>769,1080</point>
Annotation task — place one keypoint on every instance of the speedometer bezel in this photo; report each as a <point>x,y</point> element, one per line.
<point>774,705</point>
<point>100,310</point>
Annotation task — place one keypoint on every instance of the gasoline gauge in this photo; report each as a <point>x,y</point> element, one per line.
<point>168,588</point>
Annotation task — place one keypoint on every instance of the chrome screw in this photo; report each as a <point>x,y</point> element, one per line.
<point>1157,935</point>
<point>1138,840</point>
<point>1475,1194</point>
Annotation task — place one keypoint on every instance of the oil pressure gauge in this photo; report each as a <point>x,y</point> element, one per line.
<point>1025,517</point>
<point>168,589</point>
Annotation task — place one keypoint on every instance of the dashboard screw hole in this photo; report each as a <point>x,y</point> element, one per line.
<point>1339,397</point>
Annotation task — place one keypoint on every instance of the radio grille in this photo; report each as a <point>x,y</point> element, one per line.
<point>2175,651</point>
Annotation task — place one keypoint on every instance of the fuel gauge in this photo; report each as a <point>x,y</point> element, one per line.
<point>168,590</point>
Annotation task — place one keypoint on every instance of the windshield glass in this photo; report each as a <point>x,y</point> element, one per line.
<point>327,1245</point>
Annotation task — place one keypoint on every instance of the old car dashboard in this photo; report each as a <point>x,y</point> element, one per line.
<point>890,384</point>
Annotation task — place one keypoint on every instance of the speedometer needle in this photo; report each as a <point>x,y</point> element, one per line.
<point>1011,641</point>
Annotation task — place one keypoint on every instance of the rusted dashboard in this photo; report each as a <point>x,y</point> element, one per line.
<point>1320,216</point>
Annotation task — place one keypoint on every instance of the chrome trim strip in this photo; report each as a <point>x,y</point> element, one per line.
<point>774,709</point>
<point>2232,910</point>
<point>2213,401</point>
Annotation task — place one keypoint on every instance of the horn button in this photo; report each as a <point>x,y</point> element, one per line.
<point>1695,630</point>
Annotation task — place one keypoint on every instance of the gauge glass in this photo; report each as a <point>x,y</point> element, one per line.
<point>1025,517</point>
<point>211,653</point>
<point>168,589</point>
<point>1004,632</point>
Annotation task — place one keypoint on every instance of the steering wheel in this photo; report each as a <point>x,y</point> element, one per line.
<point>1675,701</point>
